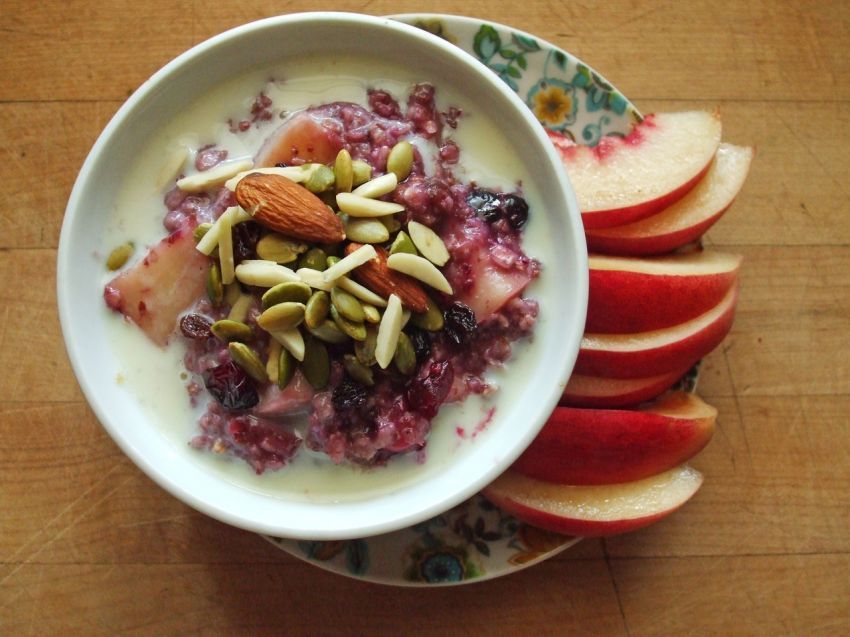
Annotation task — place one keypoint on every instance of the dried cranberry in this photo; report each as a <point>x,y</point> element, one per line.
<point>421,343</point>
<point>195,326</point>
<point>516,210</point>
<point>245,238</point>
<point>460,322</point>
<point>348,395</point>
<point>485,203</point>
<point>427,392</point>
<point>230,385</point>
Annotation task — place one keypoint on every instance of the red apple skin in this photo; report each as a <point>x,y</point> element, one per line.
<point>654,360</point>
<point>609,446</point>
<point>625,301</point>
<point>608,393</point>
<point>580,510</point>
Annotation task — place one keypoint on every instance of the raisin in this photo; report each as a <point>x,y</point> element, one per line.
<point>230,385</point>
<point>485,203</point>
<point>421,343</point>
<point>245,238</point>
<point>348,395</point>
<point>515,210</point>
<point>460,322</point>
<point>426,393</point>
<point>195,326</point>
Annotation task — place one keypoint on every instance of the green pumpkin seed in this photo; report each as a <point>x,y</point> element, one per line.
<point>400,160</point>
<point>316,364</point>
<point>357,370</point>
<point>355,330</point>
<point>365,230</point>
<point>371,313</point>
<point>200,230</point>
<point>320,180</point>
<point>118,257</point>
<point>277,248</point>
<point>316,311</point>
<point>403,244</point>
<point>215,288</point>
<point>431,319</point>
<point>365,349</point>
<point>315,259</point>
<point>343,171</point>
<point>228,330</point>
<point>348,306</point>
<point>328,332</point>
<point>285,368</point>
<point>281,317</point>
<point>248,360</point>
<point>362,172</point>
<point>333,260</point>
<point>391,223</point>
<point>294,291</point>
<point>405,356</point>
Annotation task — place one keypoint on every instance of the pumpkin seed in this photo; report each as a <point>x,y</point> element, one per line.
<point>365,350</point>
<point>400,160</point>
<point>371,313</point>
<point>239,309</point>
<point>228,330</point>
<point>403,244</point>
<point>391,223</point>
<point>347,305</point>
<point>215,288</point>
<point>248,360</point>
<point>285,368</point>
<point>232,293</point>
<point>316,311</point>
<point>277,248</point>
<point>357,331</point>
<point>200,230</point>
<point>366,230</point>
<point>405,356</point>
<point>294,291</point>
<point>316,365</point>
<point>314,259</point>
<point>357,370</point>
<point>431,319</point>
<point>343,171</point>
<point>282,317</point>
<point>321,180</point>
<point>328,332</point>
<point>118,257</point>
<point>333,260</point>
<point>362,172</point>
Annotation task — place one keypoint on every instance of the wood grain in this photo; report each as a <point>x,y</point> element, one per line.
<point>89,545</point>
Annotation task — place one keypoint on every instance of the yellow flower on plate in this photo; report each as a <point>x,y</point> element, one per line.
<point>552,105</point>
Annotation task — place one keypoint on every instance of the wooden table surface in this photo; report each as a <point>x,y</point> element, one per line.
<point>90,546</point>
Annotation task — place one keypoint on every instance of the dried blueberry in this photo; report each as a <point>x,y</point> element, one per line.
<point>426,393</point>
<point>515,210</point>
<point>230,385</point>
<point>195,326</point>
<point>245,238</point>
<point>485,203</point>
<point>421,342</point>
<point>460,322</point>
<point>348,395</point>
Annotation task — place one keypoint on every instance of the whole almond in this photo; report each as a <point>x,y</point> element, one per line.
<point>282,205</point>
<point>378,277</point>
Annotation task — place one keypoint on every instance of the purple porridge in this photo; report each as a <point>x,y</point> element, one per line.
<point>364,366</point>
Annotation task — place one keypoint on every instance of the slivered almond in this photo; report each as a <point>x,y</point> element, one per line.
<point>357,206</point>
<point>428,243</point>
<point>377,187</point>
<point>362,293</point>
<point>377,277</point>
<point>215,176</point>
<point>292,341</point>
<point>388,332</point>
<point>265,274</point>
<point>281,204</point>
<point>209,241</point>
<point>419,268</point>
<point>352,259</point>
<point>298,174</point>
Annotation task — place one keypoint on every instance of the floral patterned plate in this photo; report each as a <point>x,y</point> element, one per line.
<point>475,541</point>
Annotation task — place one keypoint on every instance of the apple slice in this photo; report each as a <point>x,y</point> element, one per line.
<point>597,510</point>
<point>623,179</point>
<point>687,219</point>
<point>596,391</point>
<point>642,294</point>
<point>158,288</point>
<point>660,351</point>
<point>301,137</point>
<point>609,446</point>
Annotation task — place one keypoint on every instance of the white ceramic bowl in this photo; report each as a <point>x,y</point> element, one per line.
<point>454,471</point>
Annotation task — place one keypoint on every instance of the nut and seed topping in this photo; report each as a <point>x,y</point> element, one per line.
<point>277,248</point>
<point>388,332</point>
<point>343,171</point>
<point>362,172</point>
<point>421,269</point>
<point>428,243</point>
<point>316,365</point>
<point>228,330</point>
<point>357,370</point>
<point>377,187</point>
<point>294,291</point>
<point>400,160</point>
<point>405,356</point>
<point>328,331</point>
<point>402,243</point>
<point>286,368</point>
<point>317,308</point>
<point>215,288</point>
<point>264,274</point>
<point>292,341</point>
<point>347,305</point>
<point>321,180</point>
<point>431,319</point>
<point>248,360</point>
<point>354,258</point>
<point>282,317</point>
<point>350,328</point>
<point>215,176</point>
<point>119,256</point>
<point>366,230</point>
<point>359,206</point>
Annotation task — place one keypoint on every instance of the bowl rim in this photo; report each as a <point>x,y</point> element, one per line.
<point>154,467</point>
